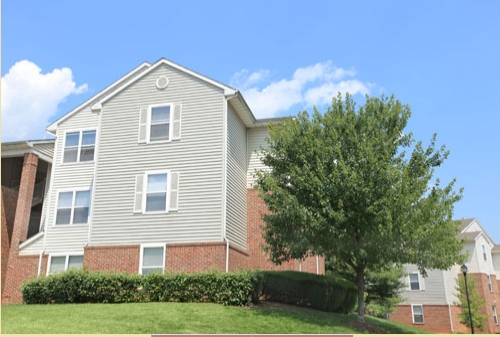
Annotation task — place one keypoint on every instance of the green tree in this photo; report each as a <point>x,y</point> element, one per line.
<point>382,287</point>
<point>343,184</point>
<point>477,303</point>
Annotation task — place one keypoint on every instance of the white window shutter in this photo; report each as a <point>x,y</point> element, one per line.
<point>139,184</point>
<point>176,122</point>
<point>143,125</point>
<point>407,281</point>
<point>421,282</point>
<point>174,191</point>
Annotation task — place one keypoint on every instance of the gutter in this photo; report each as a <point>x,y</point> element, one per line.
<point>224,180</point>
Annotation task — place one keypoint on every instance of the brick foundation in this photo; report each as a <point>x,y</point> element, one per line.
<point>112,258</point>
<point>25,268</point>
<point>436,318</point>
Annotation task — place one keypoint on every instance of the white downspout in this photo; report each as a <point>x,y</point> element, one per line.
<point>96,160</point>
<point>224,180</point>
<point>447,301</point>
<point>317,265</point>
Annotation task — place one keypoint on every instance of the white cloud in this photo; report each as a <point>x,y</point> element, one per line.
<point>311,85</point>
<point>30,98</point>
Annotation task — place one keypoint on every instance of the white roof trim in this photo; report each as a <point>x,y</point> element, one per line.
<point>483,232</point>
<point>227,90</point>
<point>31,239</point>
<point>24,147</point>
<point>51,128</point>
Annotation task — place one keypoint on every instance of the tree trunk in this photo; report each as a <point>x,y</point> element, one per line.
<point>360,275</point>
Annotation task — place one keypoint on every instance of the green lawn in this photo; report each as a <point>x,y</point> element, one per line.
<point>179,318</point>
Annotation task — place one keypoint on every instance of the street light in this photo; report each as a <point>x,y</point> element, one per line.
<point>464,271</point>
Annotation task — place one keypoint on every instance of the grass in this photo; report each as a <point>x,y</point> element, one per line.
<point>179,318</point>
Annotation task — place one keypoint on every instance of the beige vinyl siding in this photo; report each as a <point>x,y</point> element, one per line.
<point>67,176</point>
<point>434,288</point>
<point>33,247</point>
<point>196,157</point>
<point>236,207</point>
<point>45,148</point>
<point>256,139</point>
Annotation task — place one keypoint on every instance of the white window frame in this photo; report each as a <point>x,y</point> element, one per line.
<point>490,285</point>
<point>495,315</point>
<point>66,256</point>
<point>485,257</point>
<point>73,206</point>
<point>420,282</point>
<point>152,245</point>
<point>413,313</point>
<point>170,123</point>
<point>80,138</point>
<point>145,191</point>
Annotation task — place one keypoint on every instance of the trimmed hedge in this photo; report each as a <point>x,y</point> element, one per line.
<point>324,293</point>
<point>81,286</point>
<point>240,288</point>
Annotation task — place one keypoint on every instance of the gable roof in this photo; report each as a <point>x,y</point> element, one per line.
<point>467,223</point>
<point>51,128</point>
<point>233,96</point>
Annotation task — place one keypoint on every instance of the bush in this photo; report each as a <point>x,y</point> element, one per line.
<point>81,286</point>
<point>240,288</point>
<point>325,293</point>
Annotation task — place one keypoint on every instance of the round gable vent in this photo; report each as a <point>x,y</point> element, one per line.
<point>162,82</point>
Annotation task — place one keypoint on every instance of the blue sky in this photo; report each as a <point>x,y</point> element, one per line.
<point>440,57</point>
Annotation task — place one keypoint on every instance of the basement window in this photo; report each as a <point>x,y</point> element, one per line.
<point>62,263</point>
<point>417,313</point>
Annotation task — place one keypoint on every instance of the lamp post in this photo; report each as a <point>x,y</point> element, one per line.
<point>464,271</point>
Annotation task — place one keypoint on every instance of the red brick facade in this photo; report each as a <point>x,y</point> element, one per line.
<point>185,257</point>
<point>18,267</point>
<point>9,202</point>
<point>437,317</point>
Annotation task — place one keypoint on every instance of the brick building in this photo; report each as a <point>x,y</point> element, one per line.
<point>154,173</point>
<point>429,301</point>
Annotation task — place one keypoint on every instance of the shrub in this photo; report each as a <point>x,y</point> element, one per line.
<point>81,286</point>
<point>325,293</point>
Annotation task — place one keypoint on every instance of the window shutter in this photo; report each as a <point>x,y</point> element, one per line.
<point>139,183</point>
<point>176,122</point>
<point>174,191</point>
<point>421,282</point>
<point>407,281</point>
<point>143,125</point>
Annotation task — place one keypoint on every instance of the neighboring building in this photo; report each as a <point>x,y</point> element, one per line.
<point>153,173</point>
<point>429,301</point>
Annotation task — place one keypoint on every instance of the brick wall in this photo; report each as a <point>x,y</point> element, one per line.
<point>436,318</point>
<point>112,258</point>
<point>18,267</point>
<point>256,208</point>
<point>26,268</point>
<point>195,257</point>
<point>492,298</point>
<point>9,201</point>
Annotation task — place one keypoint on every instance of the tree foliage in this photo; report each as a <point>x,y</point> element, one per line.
<point>351,184</point>
<point>477,303</point>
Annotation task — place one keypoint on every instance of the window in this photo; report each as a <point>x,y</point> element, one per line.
<point>484,253</point>
<point>79,146</point>
<point>73,207</point>
<point>490,286</point>
<point>418,313</point>
<point>160,123</point>
<point>152,259</point>
<point>59,264</point>
<point>159,127</point>
<point>156,192</point>
<point>414,281</point>
<point>495,316</point>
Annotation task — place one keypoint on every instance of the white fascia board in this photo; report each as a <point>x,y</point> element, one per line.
<point>52,128</point>
<point>227,90</point>
<point>19,152</point>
